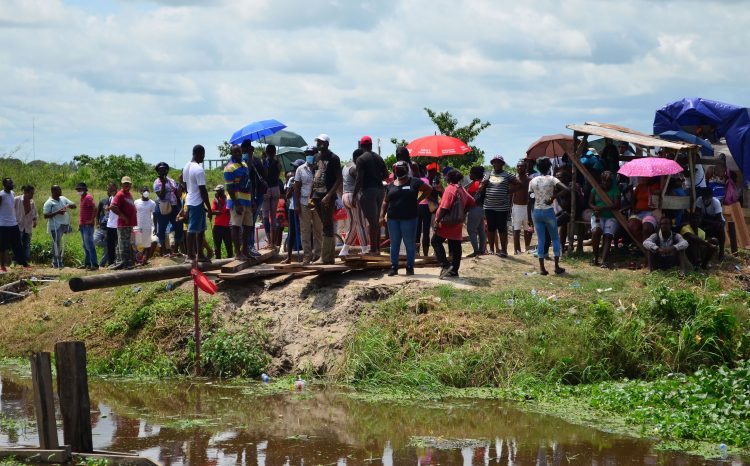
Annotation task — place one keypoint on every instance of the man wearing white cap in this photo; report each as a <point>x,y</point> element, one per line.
<point>326,182</point>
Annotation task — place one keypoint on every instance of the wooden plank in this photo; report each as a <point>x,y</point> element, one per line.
<point>628,135</point>
<point>115,459</point>
<point>73,393</point>
<point>37,455</point>
<point>252,273</point>
<point>328,267</point>
<point>236,266</point>
<point>733,213</point>
<point>44,403</point>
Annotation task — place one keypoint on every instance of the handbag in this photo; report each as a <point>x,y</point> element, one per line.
<point>100,237</point>
<point>731,193</point>
<point>457,212</point>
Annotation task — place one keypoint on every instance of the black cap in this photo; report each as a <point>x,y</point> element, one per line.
<point>81,185</point>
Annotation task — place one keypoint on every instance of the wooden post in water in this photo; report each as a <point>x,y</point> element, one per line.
<point>73,392</point>
<point>44,403</point>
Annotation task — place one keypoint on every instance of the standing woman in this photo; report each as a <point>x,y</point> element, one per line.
<point>166,204</point>
<point>26,216</point>
<point>543,187</point>
<point>429,205</point>
<point>221,231</point>
<point>357,220</point>
<point>402,197</point>
<point>449,222</point>
<point>497,186</point>
<point>475,217</point>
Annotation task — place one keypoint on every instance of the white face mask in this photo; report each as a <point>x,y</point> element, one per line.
<point>145,194</point>
<point>81,193</point>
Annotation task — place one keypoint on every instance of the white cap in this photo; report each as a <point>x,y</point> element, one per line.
<point>323,137</point>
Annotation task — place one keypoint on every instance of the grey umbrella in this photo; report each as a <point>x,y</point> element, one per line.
<point>284,138</point>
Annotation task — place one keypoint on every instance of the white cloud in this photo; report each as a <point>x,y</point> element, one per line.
<point>155,77</point>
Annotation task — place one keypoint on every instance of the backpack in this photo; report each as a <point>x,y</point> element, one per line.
<point>457,212</point>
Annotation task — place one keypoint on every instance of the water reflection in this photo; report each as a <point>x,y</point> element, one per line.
<point>183,422</point>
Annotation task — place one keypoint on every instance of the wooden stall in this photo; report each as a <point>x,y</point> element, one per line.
<point>645,146</point>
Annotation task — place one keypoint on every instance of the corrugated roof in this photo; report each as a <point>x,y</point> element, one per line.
<point>620,133</point>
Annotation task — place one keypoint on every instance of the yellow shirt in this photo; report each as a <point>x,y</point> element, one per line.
<point>687,229</point>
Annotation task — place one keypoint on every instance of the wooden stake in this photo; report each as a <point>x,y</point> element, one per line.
<point>73,392</point>
<point>44,403</point>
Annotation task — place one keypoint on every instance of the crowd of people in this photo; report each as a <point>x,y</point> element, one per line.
<point>419,206</point>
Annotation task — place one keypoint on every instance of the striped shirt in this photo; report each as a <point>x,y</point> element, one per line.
<point>87,213</point>
<point>496,197</point>
<point>237,180</point>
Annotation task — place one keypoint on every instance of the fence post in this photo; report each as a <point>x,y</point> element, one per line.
<point>44,403</point>
<point>73,392</point>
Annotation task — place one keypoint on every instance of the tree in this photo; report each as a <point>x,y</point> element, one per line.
<point>447,125</point>
<point>100,170</point>
<point>224,150</point>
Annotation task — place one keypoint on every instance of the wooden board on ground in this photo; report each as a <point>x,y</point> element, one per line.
<point>328,267</point>
<point>252,273</point>
<point>380,258</point>
<point>236,265</point>
<point>36,455</point>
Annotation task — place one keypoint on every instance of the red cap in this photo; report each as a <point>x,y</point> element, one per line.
<point>365,140</point>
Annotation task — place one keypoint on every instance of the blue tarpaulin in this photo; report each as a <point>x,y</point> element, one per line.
<point>716,119</point>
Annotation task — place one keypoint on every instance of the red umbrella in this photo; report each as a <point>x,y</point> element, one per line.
<point>437,146</point>
<point>650,166</point>
<point>553,145</point>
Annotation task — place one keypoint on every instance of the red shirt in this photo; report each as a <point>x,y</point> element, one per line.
<point>125,203</point>
<point>88,210</point>
<point>454,230</point>
<point>222,218</point>
<point>473,187</point>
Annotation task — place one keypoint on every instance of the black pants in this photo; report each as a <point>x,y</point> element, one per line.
<point>111,245</point>
<point>222,234</point>
<point>325,212</point>
<point>424,222</point>
<point>454,246</point>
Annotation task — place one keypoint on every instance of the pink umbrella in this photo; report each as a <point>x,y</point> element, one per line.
<point>437,146</point>
<point>650,166</point>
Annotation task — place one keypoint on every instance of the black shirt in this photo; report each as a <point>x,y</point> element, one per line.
<point>102,213</point>
<point>332,169</point>
<point>402,200</point>
<point>372,168</point>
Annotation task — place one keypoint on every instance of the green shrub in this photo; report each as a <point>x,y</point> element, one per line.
<point>227,354</point>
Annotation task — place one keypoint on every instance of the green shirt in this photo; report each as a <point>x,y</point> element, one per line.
<point>613,193</point>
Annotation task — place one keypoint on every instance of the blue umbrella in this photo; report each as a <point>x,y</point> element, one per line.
<point>706,148</point>
<point>256,130</point>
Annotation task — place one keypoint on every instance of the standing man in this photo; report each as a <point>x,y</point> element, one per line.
<point>109,225</point>
<point>222,232</point>
<point>259,187</point>
<point>326,183</point>
<point>240,204</point>
<point>310,226</point>
<point>55,210</point>
<point>26,216</point>
<point>10,235</point>
<point>198,204</point>
<point>273,170</point>
<point>521,211</point>
<point>123,207</point>
<point>368,190</point>
<point>86,222</point>
<point>166,203</point>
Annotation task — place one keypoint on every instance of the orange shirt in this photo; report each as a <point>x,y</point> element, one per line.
<point>642,195</point>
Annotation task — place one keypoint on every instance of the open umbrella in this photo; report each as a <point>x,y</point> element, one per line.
<point>287,155</point>
<point>706,148</point>
<point>650,166</point>
<point>553,145</point>
<point>284,138</point>
<point>437,146</point>
<point>256,130</point>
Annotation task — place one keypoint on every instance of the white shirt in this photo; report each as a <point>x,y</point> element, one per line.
<point>51,206</point>
<point>194,176</point>
<point>714,208</point>
<point>111,217</point>
<point>8,209</point>
<point>25,220</point>
<point>144,212</point>
<point>305,176</point>
<point>543,187</point>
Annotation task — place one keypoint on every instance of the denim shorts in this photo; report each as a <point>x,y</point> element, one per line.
<point>196,218</point>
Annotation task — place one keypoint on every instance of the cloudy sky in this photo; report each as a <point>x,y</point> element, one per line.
<point>155,78</point>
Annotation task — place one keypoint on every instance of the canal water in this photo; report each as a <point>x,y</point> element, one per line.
<point>179,422</point>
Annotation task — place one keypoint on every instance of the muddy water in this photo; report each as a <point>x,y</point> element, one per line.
<point>179,422</point>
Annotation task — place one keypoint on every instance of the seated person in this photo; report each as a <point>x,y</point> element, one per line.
<point>642,222</point>
<point>675,188</point>
<point>665,248</point>
<point>701,248</point>
<point>603,220</point>
<point>713,218</point>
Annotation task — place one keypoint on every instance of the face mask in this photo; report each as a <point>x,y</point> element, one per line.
<point>309,159</point>
<point>146,194</point>
<point>245,158</point>
<point>81,193</point>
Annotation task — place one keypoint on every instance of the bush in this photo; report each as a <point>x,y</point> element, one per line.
<point>225,354</point>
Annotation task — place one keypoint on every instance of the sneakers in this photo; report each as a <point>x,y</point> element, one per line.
<point>409,271</point>
<point>344,251</point>
<point>254,253</point>
<point>392,272</point>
